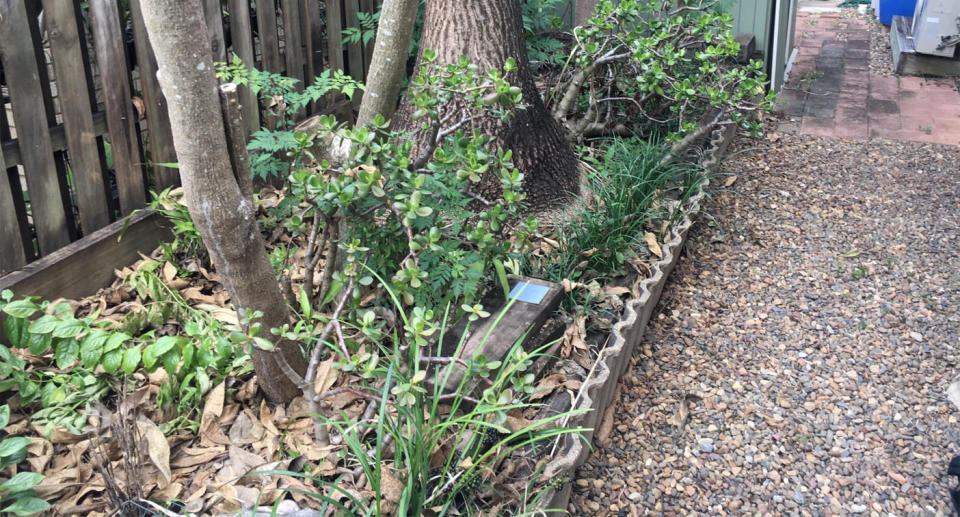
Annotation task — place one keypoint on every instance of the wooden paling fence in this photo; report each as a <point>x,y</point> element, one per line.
<point>85,134</point>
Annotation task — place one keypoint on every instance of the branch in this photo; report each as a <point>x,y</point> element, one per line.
<point>388,64</point>
<point>682,145</point>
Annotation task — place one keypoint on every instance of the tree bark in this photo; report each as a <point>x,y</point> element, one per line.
<point>489,32</point>
<point>224,217</point>
<point>389,63</point>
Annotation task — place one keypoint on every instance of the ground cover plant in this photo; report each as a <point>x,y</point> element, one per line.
<point>385,239</point>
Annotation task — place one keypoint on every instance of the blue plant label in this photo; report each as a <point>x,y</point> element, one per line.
<point>530,293</point>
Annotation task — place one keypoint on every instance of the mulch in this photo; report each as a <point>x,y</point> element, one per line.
<point>800,355</point>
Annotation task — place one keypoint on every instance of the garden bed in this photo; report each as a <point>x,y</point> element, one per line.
<point>598,390</point>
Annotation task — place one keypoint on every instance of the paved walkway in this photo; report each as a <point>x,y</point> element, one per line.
<point>832,91</point>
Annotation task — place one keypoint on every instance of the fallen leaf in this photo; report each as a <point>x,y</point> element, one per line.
<point>896,476</point>
<point>854,253</point>
<point>548,384</point>
<point>729,181</point>
<point>157,447</point>
<point>210,431</point>
<point>169,272</point>
<point>679,419</point>
<point>326,376</point>
<point>652,244</point>
<point>615,291</point>
<point>606,425</point>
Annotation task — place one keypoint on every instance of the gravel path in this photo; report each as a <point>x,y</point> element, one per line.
<point>811,330</point>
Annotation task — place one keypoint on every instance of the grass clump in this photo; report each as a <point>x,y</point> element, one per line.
<point>629,189</point>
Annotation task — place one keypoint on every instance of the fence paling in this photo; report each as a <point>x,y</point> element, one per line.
<point>108,40</point>
<point>313,36</point>
<point>29,94</point>
<point>44,153</point>
<point>69,56</point>
<point>241,39</point>
<point>11,245</point>
<point>269,40</point>
<point>213,16</point>
<point>159,137</point>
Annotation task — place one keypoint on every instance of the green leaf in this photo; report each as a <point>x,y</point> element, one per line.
<point>305,307</point>
<point>115,341</point>
<point>21,308</point>
<point>38,343</point>
<point>91,348</point>
<point>163,345</point>
<point>15,329</point>
<point>4,415</point>
<point>70,327</point>
<point>44,324</point>
<point>150,357</point>
<point>66,352</point>
<point>131,360</point>
<point>111,361</point>
<point>12,446</point>
<point>171,361</point>
<point>27,506</point>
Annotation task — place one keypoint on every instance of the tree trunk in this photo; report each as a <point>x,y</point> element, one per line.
<point>489,32</point>
<point>225,218</point>
<point>389,63</point>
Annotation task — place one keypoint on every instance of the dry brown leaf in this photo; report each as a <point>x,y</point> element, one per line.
<point>516,421</point>
<point>548,384</point>
<point>245,429</point>
<point>606,425</point>
<point>615,291</point>
<point>210,431</point>
<point>222,314</point>
<point>157,447</point>
<point>326,376</point>
<point>729,181</point>
<point>391,488</point>
<point>574,337</point>
<point>266,418</point>
<point>195,294</point>
<point>41,452</point>
<point>58,435</point>
<point>652,244</point>
<point>190,456</point>
<point>169,272</point>
<point>167,493</point>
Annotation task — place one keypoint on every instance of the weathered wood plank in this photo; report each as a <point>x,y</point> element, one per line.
<point>293,37</point>
<point>369,7</point>
<point>354,50</point>
<point>108,38</point>
<point>335,34</point>
<point>68,45</point>
<point>11,245</point>
<point>26,82</point>
<point>58,139</point>
<point>159,135</point>
<point>86,265</point>
<point>293,45</point>
<point>493,337</point>
<point>241,36</point>
<point>269,40</point>
<point>313,38</point>
<point>214,17</point>
<point>16,191</point>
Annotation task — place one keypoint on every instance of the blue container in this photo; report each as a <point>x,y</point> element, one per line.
<point>889,8</point>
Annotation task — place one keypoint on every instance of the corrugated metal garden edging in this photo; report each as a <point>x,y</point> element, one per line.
<point>600,386</point>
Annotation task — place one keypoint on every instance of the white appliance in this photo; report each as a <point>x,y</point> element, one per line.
<point>936,27</point>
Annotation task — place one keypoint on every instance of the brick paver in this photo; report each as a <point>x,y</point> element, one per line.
<point>831,91</point>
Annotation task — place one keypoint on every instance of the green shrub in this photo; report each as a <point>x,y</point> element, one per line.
<point>17,496</point>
